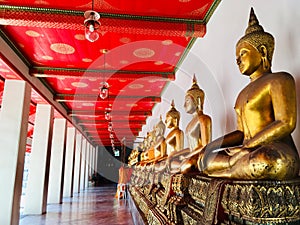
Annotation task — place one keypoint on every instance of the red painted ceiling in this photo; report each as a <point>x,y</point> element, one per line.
<point>145,41</point>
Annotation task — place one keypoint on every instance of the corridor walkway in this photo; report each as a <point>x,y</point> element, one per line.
<point>94,206</point>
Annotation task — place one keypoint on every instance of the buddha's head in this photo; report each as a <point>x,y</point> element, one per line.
<point>160,127</point>
<point>152,137</point>
<point>140,146</point>
<point>145,142</point>
<point>172,116</point>
<point>194,98</point>
<point>149,138</point>
<point>256,47</point>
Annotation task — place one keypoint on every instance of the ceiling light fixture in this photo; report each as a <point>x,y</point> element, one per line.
<point>103,90</point>
<point>104,86</point>
<point>91,24</point>
<point>107,115</point>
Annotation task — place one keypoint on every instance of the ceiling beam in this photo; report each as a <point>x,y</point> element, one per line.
<point>73,113</point>
<point>71,19</point>
<point>106,135</point>
<point>47,72</point>
<point>134,125</point>
<point>96,98</point>
<point>119,129</point>
<point>81,122</point>
<point>115,124</point>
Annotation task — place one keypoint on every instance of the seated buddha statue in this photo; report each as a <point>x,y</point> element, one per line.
<point>148,154</point>
<point>174,140</point>
<point>198,132</point>
<point>137,157</point>
<point>133,157</point>
<point>151,142</point>
<point>143,153</point>
<point>160,142</point>
<point>159,147</point>
<point>262,146</point>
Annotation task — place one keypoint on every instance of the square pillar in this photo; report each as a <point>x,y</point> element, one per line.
<point>69,163</point>
<point>38,170</point>
<point>96,158</point>
<point>13,135</point>
<point>82,165</point>
<point>57,161</point>
<point>87,164</point>
<point>77,162</point>
<point>92,160</point>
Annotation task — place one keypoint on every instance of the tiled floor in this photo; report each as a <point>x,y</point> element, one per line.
<point>95,205</point>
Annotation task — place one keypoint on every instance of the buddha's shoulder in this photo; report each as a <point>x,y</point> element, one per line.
<point>280,77</point>
<point>174,132</point>
<point>204,117</point>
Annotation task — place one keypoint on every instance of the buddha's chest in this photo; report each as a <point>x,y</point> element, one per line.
<point>193,130</point>
<point>254,99</point>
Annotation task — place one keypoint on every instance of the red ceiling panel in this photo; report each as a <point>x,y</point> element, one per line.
<point>68,48</point>
<point>145,42</point>
<point>90,86</point>
<point>189,9</point>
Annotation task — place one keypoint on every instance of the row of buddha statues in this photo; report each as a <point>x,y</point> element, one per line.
<point>260,148</point>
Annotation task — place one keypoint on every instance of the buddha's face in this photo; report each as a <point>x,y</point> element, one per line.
<point>189,105</point>
<point>248,58</point>
<point>158,131</point>
<point>145,143</point>
<point>169,121</point>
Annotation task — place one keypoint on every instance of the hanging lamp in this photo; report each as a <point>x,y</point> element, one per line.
<point>104,86</point>
<point>91,24</point>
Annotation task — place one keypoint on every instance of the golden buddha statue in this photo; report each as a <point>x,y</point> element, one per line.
<point>159,147</point>
<point>136,157</point>
<point>160,143</point>
<point>262,146</point>
<point>143,154</point>
<point>148,155</point>
<point>198,130</point>
<point>174,140</point>
<point>133,157</point>
<point>152,140</point>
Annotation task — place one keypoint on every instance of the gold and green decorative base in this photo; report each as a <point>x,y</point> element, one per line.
<point>262,202</point>
<point>195,199</point>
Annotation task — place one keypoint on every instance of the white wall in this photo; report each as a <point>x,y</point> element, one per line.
<point>212,59</point>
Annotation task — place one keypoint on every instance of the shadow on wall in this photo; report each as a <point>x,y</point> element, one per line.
<point>229,120</point>
<point>108,165</point>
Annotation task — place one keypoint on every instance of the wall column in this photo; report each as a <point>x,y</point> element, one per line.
<point>69,163</point>
<point>13,135</point>
<point>87,164</point>
<point>77,162</point>
<point>38,170</point>
<point>92,160</point>
<point>57,162</point>
<point>82,166</point>
<point>96,158</point>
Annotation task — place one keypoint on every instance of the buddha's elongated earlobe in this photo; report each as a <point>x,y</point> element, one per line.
<point>266,64</point>
<point>264,52</point>
<point>199,104</point>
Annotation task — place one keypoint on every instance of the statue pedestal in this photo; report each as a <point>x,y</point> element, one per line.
<point>200,200</point>
<point>262,202</point>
